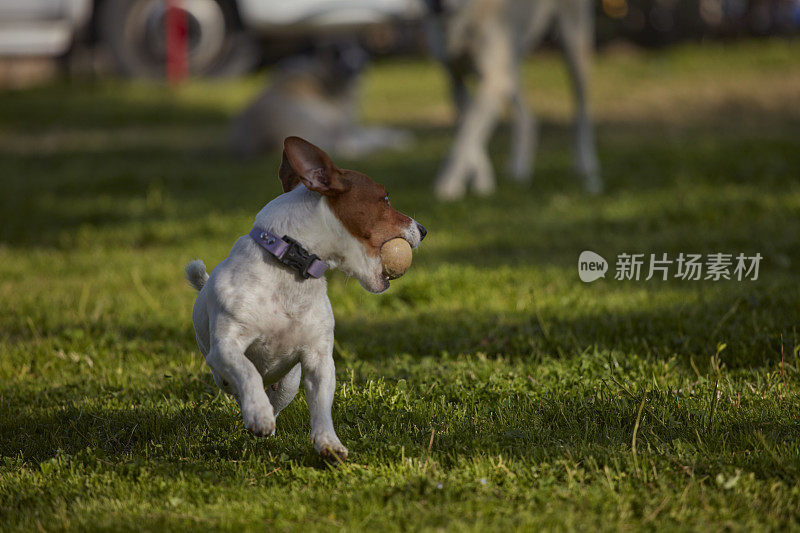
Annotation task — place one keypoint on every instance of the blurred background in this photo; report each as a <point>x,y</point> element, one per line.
<point>153,38</point>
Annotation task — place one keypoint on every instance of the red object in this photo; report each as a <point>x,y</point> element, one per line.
<point>177,29</point>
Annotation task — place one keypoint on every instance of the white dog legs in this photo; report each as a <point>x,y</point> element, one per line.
<point>235,371</point>
<point>577,33</point>
<point>524,136</point>
<point>469,158</point>
<point>319,382</point>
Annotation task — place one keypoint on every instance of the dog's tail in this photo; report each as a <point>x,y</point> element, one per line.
<point>196,274</point>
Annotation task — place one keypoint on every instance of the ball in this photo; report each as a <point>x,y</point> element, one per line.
<point>395,257</point>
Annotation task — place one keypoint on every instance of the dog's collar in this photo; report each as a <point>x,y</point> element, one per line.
<point>290,253</point>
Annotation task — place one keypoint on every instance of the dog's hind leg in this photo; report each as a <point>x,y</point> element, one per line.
<point>281,393</point>
<point>524,136</point>
<point>576,25</point>
<point>530,22</point>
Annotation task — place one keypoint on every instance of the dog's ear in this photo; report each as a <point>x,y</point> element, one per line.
<point>289,178</point>
<point>305,163</point>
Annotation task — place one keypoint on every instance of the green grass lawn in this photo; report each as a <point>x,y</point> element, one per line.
<point>489,388</point>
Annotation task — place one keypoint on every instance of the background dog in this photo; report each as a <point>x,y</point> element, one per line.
<point>489,38</point>
<point>314,97</point>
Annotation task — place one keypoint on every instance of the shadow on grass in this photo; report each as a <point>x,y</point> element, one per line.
<point>105,104</point>
<point>743,319</point>
<point>205,437</point>
<point>173,422</point>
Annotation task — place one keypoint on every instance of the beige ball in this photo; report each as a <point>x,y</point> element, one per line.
<point>395,257</point>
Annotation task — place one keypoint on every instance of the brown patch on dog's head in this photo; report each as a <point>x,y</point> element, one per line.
<point>360,204</point>
<point>365,210</point>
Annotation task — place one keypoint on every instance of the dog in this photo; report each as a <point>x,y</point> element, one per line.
<point>263,315</point>
<point>489,38</point>
<point>314,97</point>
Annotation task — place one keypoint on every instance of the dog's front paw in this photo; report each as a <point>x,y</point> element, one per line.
<point>260,423</point>
<point>329,446</point>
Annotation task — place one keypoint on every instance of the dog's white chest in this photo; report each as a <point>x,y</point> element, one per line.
<point>294,322</point>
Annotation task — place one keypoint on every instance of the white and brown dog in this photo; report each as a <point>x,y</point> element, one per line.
<point>263,314</point>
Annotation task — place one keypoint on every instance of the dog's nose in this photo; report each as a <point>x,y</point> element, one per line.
<point>422,231</point>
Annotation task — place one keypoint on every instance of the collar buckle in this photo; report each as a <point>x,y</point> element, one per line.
<point>297,257</point>
<point>290,253</point>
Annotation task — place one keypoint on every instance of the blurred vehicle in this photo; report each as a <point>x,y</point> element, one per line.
<point>223,37</point>
<point>41,27</point>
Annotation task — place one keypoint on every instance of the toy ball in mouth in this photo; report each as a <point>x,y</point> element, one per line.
<point>395,257</point>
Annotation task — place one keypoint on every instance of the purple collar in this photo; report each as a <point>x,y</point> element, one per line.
<point>290,253</point>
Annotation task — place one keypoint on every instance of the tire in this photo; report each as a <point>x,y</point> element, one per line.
<point>134,31</point>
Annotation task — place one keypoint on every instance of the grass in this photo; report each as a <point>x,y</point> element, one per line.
<point>488,389</point>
